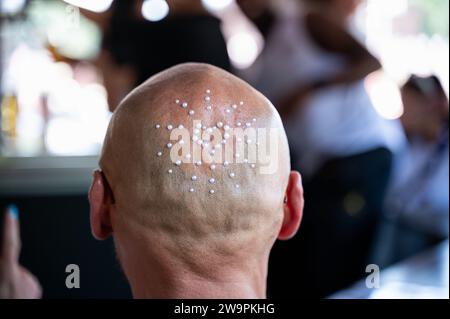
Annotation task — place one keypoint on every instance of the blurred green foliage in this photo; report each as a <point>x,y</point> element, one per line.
<point>436,16</point>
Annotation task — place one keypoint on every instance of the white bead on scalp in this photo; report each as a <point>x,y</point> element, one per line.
<point>219,124</point>
<point>238,186</point>
<point>169,145</point>
<point>207,98</point>
<point>169,127</point>
<point>253,166</point>
<point>194,178</point>
<point>234,106</point>
<point>178,163</point>
<point>254,120</point>
<point>226,163</point>
<point>239,124</point>
<point>191,190</point>
<point>213,167</point>
<point>208,91</point>
<point>180,127</point>
<point>170,171</point>
<point>212,180</point>
<point>232,175</point>
<point>177,101</point>
<point>159,154</point>
<point>209,107</point>
<point>228,110</point>
<point>191,112</point>
<point>184,105</point>
<point>212,191</point>
<point>241,103</point>
<point>158,126</point>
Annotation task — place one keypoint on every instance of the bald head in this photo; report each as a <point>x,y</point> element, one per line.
<point>197,159</point>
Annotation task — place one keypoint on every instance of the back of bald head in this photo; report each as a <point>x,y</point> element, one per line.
<point>191,200</point>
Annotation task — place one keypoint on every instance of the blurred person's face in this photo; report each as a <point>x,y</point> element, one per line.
<point>349,7</point>
<point>414,111</point>
<point>344,9</point>
<point>421,114</point>
<point>253,8</point>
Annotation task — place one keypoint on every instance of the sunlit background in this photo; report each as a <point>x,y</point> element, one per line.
<point>49,107</point>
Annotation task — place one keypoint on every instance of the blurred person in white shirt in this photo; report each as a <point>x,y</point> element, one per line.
<point>417,205</point>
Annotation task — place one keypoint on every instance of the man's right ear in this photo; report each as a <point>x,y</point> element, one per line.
<point>101,200</point>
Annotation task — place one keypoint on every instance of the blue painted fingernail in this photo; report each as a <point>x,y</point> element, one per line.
<point>14,211</point>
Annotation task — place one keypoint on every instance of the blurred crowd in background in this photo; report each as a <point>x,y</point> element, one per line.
<point>362,88</point>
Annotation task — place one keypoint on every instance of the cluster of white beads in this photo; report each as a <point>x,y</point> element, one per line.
<point>206,144</point>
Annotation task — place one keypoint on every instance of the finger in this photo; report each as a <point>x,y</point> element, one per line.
<point>11,236</point>
<point>32,288</point>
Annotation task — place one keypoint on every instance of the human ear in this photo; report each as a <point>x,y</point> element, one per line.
<point>293,207</point>
<point>101,200</point>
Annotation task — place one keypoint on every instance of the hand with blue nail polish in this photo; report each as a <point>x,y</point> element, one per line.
<point>16,282</point>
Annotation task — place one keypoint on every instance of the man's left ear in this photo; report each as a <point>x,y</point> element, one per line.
<point>101,200</point>
<point>293,207</point>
